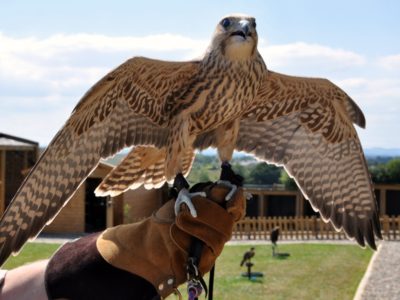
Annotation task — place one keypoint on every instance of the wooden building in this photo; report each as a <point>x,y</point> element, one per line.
<point>141,203</point>
<point>17,156</point>
<point>85,212</point>
<point>277,202</point>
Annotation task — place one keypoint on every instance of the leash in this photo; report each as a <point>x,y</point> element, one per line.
<point>211,283</point>
<point>196,283</point>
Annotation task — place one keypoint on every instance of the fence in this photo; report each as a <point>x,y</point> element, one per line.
<point>303,228</point>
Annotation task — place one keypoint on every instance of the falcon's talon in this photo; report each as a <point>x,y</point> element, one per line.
<point>228,175</point>
<point>230,185</point>
<point>185,197</point>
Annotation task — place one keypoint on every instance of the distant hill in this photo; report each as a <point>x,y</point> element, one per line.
<point>388,152</point>
<point>115,160</point>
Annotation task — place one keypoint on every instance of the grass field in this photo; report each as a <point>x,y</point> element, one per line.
<point>313,271</point>
<point>31,252</point>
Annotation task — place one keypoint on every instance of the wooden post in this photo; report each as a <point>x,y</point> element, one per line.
<point>2,180</point>
<point>284,225</point>
<point>299,204</point>
<point>261,204</point>
<point>109,212</point>
<point>385,227</point>
<point>255,228</point>
<point>398,226</point>
<point>382,208</point>
<point>266,199</point>
<point>315,226</point>
<point>291,226</point>
<point>264,228</point>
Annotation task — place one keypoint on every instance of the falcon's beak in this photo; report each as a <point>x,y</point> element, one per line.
<point>243,29</point>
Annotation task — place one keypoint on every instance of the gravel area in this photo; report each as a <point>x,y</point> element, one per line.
<point>382,279</point>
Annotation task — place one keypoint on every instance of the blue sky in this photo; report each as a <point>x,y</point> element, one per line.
<point>51,52</point>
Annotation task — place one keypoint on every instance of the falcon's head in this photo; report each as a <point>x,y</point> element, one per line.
<point>235,37</point>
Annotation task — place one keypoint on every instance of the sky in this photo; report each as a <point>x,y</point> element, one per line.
<point>52,52</point>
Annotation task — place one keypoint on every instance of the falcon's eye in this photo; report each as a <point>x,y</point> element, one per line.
<point>225,23</point>
<point>254,24</point>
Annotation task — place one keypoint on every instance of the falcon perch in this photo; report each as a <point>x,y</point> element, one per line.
<point>228,100</point>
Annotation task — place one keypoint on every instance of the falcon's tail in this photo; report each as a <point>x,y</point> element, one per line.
<point>143,165</point>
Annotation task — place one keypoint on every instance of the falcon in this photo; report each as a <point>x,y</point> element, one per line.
<point>229,100</point>
<point>247,256</point>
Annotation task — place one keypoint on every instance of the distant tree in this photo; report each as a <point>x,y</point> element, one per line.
<point>205,159</point>
<point>376,160</point>
<point>241,170</point>
<point>393,170</point>
<point>379,173</point>
<point>244,158</point>
<point>264,174</point>
<point>203,176</point>
<point>287,181</point>
<point>386,172</point>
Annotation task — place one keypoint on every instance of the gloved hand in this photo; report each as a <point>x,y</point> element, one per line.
<point>154,250</point>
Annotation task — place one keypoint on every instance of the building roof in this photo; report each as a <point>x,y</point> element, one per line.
<point>10,142</point>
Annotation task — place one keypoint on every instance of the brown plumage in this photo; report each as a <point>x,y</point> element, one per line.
<point>247,256</point>
<point>226,100</point>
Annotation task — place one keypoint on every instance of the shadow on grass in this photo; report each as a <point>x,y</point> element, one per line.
<point>256,280</point>
<point>281,256</point>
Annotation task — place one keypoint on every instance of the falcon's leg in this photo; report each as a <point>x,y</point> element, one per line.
<point>226,137</point>
<point>230,179</point>
<point>178,143</point>
<point>181,185</point>
<point>273,249</point>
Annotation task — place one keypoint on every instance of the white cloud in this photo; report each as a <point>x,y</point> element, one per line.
<point>379,99</point>
<point>62,43</point>
<point>356,82</point>
<point>382,92</point>
<point>390,62</point>
<point>308,57</point>
<point>57,61</point>
<point>36,125</point>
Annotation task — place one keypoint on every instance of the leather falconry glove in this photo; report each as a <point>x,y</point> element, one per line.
<point>146,259</point>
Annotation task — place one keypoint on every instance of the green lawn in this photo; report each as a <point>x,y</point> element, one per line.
<point>313,271</point>
<point>31,252</point>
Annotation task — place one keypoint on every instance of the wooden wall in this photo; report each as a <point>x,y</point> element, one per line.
<point>141,203</point>
<point>2,180</point>
<point>71,218</point>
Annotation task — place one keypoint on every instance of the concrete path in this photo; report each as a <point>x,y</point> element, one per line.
<point>382,278</point>
<point>49,238</point>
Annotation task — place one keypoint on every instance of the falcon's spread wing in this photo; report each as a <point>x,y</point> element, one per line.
<point>305,124</point>
<point>129,106</point>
